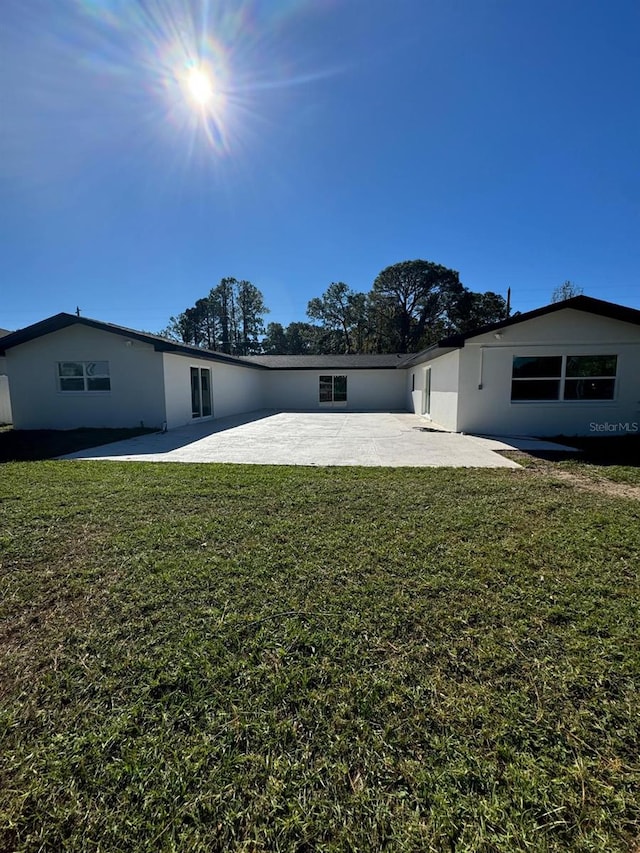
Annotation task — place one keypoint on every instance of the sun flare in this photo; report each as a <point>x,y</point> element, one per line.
<point>199,86</point>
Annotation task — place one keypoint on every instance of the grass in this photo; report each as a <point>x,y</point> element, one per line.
<point>33,444</point>
<point>209,658</point>
<point>615,458</point>
<point>603,460</point>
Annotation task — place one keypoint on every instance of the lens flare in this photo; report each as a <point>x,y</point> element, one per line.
<point>195,70</point>
<point>199,86</point>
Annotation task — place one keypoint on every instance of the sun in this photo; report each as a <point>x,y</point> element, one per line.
<point>199,86</point>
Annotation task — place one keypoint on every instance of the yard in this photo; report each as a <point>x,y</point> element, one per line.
<point>220,657</point>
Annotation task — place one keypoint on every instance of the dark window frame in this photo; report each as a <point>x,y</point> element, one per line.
<point>201,407</point>
<point>566,385</point>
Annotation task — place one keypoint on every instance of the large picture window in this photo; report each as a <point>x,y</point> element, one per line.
<point>558,377</point>
<point>333,389</point>
<point>84,376</point>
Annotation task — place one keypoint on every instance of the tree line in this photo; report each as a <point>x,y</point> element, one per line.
<point>229,319</point>
<point>411,304</point>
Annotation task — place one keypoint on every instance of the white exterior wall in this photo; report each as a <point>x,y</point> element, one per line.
<point>380,390</point>
<point>234,389</point>
<point>489,410</point>
<point>443,409</point>
<point>136,394</point>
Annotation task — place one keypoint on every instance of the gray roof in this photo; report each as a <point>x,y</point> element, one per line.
<point>4,332</point>
<point>328,362</point>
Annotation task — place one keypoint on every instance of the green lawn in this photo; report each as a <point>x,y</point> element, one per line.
<point>227,658</point>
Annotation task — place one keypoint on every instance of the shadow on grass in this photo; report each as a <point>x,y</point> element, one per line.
<point>601,450</point>
<point>20,445</point>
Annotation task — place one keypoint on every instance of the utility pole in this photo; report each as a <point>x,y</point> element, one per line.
<point>77,311</point>
<point>508,302</point>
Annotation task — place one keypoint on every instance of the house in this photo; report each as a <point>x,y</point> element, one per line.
<point>369,383</point>
<point>5,400</point>
<point>70,371</point>
<point>570,368</point>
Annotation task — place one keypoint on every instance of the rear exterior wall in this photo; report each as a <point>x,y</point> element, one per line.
<point>136,396</point>
<point>487,361</point>
<point>433,389</point>
<point>235,389</point>
<point>379,390</point>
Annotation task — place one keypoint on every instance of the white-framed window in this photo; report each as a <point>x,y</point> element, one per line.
<point>563,377</point>
<point>84,376</point>
<point>332,389</point>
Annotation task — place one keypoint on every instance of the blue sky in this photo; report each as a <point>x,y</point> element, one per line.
<point>500,138</point>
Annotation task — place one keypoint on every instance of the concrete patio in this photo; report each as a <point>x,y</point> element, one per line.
<point>312,438</point>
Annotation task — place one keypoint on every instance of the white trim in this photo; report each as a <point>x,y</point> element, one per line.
<point>333,403</point>
<point>82,392</point>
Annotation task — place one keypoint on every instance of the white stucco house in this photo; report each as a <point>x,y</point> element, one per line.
<point>570,368</point>
<point>70,371</point>
<point>558,370</point>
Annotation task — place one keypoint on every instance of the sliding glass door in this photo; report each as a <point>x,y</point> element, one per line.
<point>201,392</point>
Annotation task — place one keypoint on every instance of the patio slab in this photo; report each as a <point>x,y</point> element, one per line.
<point>387,439</point>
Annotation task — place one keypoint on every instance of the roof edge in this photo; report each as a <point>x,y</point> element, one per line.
<point>588,304</point>
<point>60,321</point>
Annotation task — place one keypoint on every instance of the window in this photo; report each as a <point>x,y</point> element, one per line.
<point>557,377</point>
<point>84,376</point>
<point>200,392</point>
<point>590,377</point>
<point>333,389</point>
<point>536,378</point>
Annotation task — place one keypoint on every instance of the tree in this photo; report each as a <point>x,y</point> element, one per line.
<point>223,299</point>
<point>340,310</point>
<point>303,339</point>
<point>296,339</point>
<point>229,319</point>
<point>275,340</point>
<point>176,330</point>
<point>412,300</point>
<point>251,309</point>
<point>204,314</point>
<point>361,329</point>
<point>566,290</point>
<point>474,310</point>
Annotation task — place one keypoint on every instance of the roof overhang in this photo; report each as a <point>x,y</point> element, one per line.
<point>588,304</point>
<point>63,321</point>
